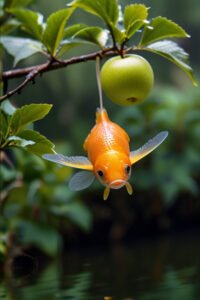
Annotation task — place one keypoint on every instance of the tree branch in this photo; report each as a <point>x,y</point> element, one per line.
<point>31,72</point>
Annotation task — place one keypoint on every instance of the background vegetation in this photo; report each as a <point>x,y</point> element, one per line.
<point>36,206</point>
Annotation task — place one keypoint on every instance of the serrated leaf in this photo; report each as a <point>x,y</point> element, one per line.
<point>67,45</point>
<point>38,144</point>
<point>175,54</point>
<point>54,31</point>
<point>70,31</point>
<point>20,48</point>
<point>32,22</point>
<point>26,115</point>
<point>94,35</point>
<point>135,15</point>
<point>68,42</point>
<point>161,28</point>
<point>81,34</point>
<point>76,212</point>
<point>106,10</point>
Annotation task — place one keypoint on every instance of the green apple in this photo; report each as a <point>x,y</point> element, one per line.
<point>127,80</point>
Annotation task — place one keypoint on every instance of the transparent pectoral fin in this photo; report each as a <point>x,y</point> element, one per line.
<point>80,162</point>
<point>81,180</point>
<point>148,147</point>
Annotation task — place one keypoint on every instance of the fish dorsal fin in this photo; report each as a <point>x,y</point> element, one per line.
<point>81,180</point>
<point>101,115</point>
<point>79,162</point>
<point>148,147</point>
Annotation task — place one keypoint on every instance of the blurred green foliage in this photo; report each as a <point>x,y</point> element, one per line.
<point>54,38</point>
<point>36,204</point>
<point>16,128</point>
<point>175,166</point>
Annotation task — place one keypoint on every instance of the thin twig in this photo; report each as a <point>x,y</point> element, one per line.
<point>31,72</point>
<point>18,89</point>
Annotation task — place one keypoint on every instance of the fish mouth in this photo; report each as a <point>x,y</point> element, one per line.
<point>117,184</point>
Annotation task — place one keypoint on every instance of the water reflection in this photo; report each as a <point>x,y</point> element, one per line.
<point>167,268</point>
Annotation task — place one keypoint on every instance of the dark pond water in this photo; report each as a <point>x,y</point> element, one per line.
<point>164,268</point>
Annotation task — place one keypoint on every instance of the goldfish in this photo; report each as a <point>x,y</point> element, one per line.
<point>109,158</point>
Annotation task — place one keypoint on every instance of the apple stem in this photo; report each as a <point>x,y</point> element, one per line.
<point>121,51</point>
<point>122,48</point>
<point>122,54</point>
<point>99,82</point>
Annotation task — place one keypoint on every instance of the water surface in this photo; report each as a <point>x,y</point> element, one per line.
<point>164,268</point>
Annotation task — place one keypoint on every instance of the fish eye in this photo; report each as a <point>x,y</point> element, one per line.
<point>127,169</point>
<point>100,173</point>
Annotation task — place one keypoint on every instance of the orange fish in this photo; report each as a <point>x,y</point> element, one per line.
<point>109,158</point>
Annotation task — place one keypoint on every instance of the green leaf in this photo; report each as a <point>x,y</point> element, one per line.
<point>3,125</point>
<point>161,28</point>
<point>106,10</point>
<point>17,3</point>
<point>8,108</point>
<point>94,35</point>
<point>3,248</point>
<point>9,26</point>
<point>3,240</point>
<point>175,54</point>
<point>135,16</point>
<point>54,31</point>
<point>17,141</point>
<point>20,48</point>
<point>21,192</point>
<point>67,45</point>
<point>68,42</point>
<point>81,34</point>
<point>44,237</point>
<point>76,212</point>
<point>32,22</point>
<point>36,143</point>
<point>70,31</point>
<point>119,36</point>
<point>7,174</point>
<point>28,114</point>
